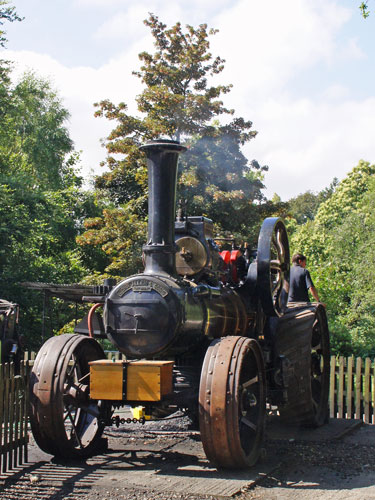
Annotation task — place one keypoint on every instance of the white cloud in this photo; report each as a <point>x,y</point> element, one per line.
<point>351,50</point>
<point>306,139</point>
<point>307,143</point>
<point>124,24</point>
<point>80,87</point>
<point>267,44</point>
<point>204,6</point>
<point>128,24</point>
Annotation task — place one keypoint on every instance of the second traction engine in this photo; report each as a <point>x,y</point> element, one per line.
<point>200,330</point>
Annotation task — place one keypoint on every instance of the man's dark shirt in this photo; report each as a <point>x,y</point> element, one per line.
<point>300,282</point>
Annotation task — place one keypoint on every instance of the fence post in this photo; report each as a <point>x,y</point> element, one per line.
<point>349,388</point>
<point>25,409</point>
<point>332,409</point>
<point>2,395</point>
<point>340,395</point>
<point>358,387</point>
<point>5,418</point>
<point>11,415</point>
<point>366,395</point>
<point>17,423</point>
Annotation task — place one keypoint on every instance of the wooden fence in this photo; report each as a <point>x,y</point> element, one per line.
<point>13,416</point>
<point>352,388</point>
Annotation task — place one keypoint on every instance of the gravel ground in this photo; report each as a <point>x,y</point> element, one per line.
<point>336,469</point>
<point>324,470</point>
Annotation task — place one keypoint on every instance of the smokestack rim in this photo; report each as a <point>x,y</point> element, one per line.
<point>164,145</point>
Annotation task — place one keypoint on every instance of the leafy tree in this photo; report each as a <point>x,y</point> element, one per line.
<point>339,246</point>
<point>37,232</point>
<point>33,136</point>
<point>305,206</point>
<point>178,102</point>
<point>42,204</point>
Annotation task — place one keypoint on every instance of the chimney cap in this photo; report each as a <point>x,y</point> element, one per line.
<point>164,144</point>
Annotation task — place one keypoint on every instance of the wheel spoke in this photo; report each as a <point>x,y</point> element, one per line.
<point>74,429</point>
<point>250,382</point>
<point>71,368</point>
<point>275,265</point>
<point>318,346</point>
<point>246,421</point>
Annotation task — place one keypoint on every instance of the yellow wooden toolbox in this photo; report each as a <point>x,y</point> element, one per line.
<point>130,380</point>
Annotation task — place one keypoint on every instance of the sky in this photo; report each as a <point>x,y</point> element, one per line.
<point>302,71</point>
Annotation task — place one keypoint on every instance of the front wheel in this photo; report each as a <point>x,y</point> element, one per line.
<point>232,402</point>
<point>64,421</point>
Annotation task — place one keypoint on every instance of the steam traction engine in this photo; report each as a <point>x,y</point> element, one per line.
<point>202,331</point>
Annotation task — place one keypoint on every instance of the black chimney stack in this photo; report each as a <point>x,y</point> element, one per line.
<point>162,158</point>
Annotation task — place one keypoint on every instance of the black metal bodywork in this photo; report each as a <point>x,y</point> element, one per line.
<point>161,312</point>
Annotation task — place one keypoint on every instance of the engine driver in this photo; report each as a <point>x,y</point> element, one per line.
<point>300,281</point>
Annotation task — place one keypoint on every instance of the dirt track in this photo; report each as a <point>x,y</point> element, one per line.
<point>334,462</point>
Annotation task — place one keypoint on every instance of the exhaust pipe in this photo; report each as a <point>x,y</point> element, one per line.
<point>160,250</point>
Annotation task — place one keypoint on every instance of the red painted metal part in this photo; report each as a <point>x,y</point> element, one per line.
<point>89,318</point>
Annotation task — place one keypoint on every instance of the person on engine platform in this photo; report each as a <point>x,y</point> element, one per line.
<point>300,281</point>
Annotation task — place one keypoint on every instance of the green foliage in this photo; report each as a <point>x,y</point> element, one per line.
<point>42,205</point>
<point>215,178</point>
<point>363,7</point>
<point>305,206</point>
<point>339,245</point>
<point>7,14</point>
<point>33,136</point>
<point>38,231</point>
<point>177,99</point>
<point>120,233</point>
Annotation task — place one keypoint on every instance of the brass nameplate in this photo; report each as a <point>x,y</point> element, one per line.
<point>142,285</point>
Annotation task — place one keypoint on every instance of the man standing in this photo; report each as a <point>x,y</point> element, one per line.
<point>300,281</point>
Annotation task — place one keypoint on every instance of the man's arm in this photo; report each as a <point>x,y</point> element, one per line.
<point>314,293</point>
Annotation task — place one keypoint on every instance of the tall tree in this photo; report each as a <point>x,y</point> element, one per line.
<point>42,204</point>
<point>339,246</point>
<point>7,14</point>
<point>33,138</point>
<point>179,102</point>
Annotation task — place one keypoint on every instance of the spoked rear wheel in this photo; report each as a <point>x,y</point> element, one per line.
<point>232,402</point>
<point>64,421</point>
<point>320,368</point>
<point>303,338</point>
